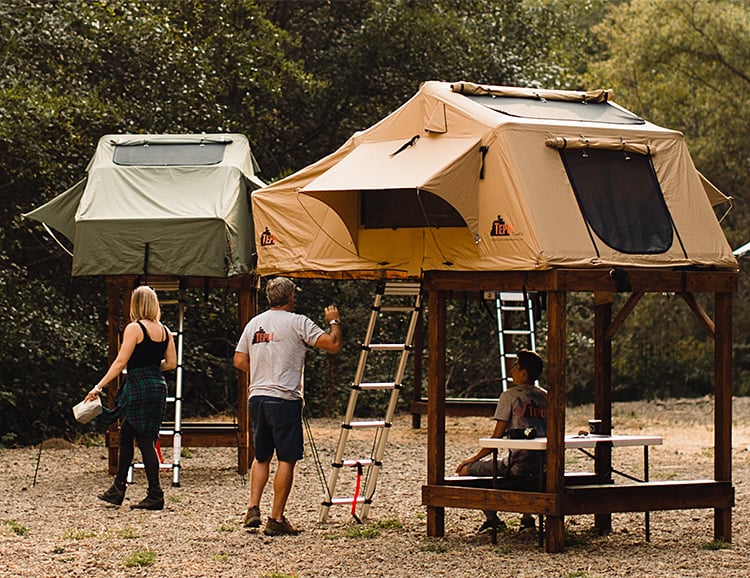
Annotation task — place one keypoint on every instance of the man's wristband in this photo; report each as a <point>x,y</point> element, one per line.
<point>334,322</point>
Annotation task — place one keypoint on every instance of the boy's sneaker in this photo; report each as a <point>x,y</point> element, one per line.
<point>252,517</point>
<point>282,528</point>
<point>489,525</point>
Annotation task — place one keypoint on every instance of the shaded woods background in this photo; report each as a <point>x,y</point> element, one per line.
<point>299,78</point>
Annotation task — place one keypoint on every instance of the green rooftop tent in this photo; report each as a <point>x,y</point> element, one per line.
<point>160,205</point>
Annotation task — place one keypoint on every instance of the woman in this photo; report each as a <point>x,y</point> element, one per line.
<point>147,349</point>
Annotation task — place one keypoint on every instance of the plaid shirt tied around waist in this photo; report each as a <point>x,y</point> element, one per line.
<point>141,400</point>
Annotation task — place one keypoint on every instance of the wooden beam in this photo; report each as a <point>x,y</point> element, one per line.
<point>600,279</point>
<point>487,499</point>
<point>700,313</point>
<point>556,393</point>
<point>646,497</point>
<point>436,406</point>
<point>603,392</point>
<point>623,313</point>
<point>723,408</point>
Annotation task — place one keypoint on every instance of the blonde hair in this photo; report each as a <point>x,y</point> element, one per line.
<point>144,304</point>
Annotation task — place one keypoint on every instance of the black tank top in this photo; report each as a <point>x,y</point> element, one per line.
<point>148,353</point>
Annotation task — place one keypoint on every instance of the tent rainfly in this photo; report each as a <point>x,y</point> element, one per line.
<point>160,205</point>
<point>464,177</point>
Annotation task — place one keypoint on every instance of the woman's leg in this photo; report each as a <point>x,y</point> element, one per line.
<point>127,435</point>
<point>150,462</point>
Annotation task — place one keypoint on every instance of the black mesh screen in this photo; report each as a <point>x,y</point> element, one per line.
<point>402,208</point>
<point>620,198</point>
<point>169,154</point>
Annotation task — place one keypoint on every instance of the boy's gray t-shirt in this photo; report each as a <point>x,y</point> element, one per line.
<point>523,406</point>
<point>276,341</point>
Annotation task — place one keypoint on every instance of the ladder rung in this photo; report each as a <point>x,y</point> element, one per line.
<point>352,463</point>
<point>512,308</point>
<point>396,309</point>
<point>165,466</point>
<point>516,332</point>
<point>171,399</point>
<point>386,346</point>
<point>335,501</point>
<point>383,385</point>
<point>365,424</point>
<point>402,288</point>
<point>168,301</point>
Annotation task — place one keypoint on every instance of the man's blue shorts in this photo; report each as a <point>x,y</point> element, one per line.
<point>277,425</point>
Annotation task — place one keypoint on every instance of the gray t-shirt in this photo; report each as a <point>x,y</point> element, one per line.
<point>523,406</point>
<point>276,341</point>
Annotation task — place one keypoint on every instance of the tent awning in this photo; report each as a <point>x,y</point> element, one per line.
<point>445,166</point>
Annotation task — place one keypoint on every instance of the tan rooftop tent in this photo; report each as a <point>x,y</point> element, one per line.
<point>482,189</point>
<point>162,205</point>
<point>470,178</point>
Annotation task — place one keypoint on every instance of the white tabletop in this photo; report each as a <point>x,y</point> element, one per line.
<point>572,441</point>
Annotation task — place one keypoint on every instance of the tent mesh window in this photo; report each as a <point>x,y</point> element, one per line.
<point>558,110</point>
<point>409,208</point>
<point>169,154</point>
<point>620,198</point>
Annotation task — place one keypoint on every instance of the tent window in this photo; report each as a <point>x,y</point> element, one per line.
<point>620,198</point>
<point>558,110</point>
<point>405,208</point>
<point>169,154</point>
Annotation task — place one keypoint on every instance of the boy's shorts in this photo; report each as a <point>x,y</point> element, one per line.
<point>277,426</point>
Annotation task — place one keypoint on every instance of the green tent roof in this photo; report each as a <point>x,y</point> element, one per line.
<point>161,205</point>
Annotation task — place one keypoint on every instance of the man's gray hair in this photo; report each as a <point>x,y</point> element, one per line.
<point>279,291</point>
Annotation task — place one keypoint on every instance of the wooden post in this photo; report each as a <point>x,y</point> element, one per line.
<point>556,315</point>
<point>603,391</point>
<point>247,307</point>
<point>723,408</point>
<point>114,310</point>
<point>436,406</point>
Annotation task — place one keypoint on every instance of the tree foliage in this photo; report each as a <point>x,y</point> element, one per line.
<point>299,78</point>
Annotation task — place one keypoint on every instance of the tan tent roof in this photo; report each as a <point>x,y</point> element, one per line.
<point>494,179</point>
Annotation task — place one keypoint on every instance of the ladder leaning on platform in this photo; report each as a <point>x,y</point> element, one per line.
<point>171,428</point>
<point>400,293</point>
<point>515,328</point>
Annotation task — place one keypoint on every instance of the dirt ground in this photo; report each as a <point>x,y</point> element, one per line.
<point>52,525</point>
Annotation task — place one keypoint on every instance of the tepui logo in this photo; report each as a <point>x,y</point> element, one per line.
<point>500,228</point>
<point>267,238</point>
<point>261,336</point>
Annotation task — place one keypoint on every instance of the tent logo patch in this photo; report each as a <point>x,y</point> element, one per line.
<point>267,238</point>
<point>501,229</point>
<point>261,336</point>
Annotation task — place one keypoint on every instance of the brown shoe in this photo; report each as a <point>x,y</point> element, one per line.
<point>282,528</point>
<point>252,517</point>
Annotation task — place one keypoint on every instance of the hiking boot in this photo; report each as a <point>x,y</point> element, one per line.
<point>252,517</point>
<point>114,495</point>
<point>154,500</point>
<point>282,528</point>
<point>528,522</point>
<point>489,525</point>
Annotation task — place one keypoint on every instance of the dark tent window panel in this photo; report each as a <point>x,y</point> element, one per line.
<point>169,154</point>
<point>620,198</point>
<point>396,209</point>
<point>558,110</point>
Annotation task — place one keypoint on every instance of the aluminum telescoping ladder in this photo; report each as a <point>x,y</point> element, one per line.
<point>174,402</point>
<point>515,328</point>
<point>409,313</point>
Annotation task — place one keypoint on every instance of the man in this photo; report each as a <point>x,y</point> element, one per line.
<point>272,351</point>
<point>521,407</point>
